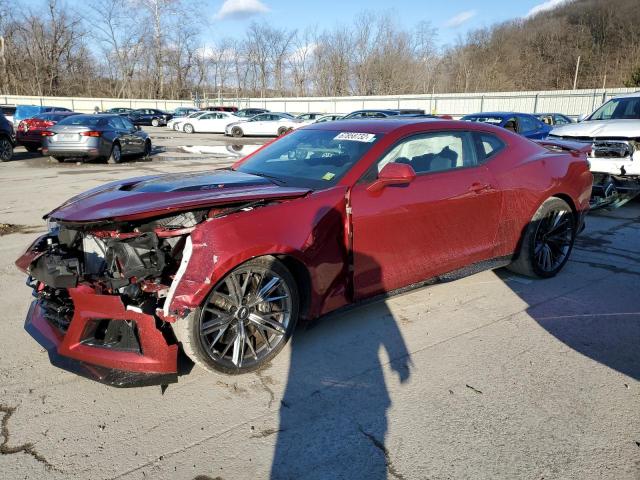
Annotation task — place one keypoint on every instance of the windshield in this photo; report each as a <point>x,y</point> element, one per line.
<point>618,109</point>
<point>314,159</point>
<point>483,119</point>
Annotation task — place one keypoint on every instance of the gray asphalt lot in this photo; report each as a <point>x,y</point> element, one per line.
<point>492,376</point>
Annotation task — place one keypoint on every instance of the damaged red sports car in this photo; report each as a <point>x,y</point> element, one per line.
<point>225,263</point>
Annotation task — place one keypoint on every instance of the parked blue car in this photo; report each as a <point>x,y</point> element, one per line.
<point>522,123</point>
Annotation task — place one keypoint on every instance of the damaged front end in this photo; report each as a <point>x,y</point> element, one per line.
<point>100,291</point>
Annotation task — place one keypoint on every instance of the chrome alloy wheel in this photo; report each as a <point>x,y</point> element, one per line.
<point>245,317</point>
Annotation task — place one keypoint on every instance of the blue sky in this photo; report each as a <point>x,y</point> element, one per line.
<point>451,18</point>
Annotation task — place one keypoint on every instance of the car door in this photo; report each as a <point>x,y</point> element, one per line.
<point>119,133</point>
<point>205,123</point>
<point>531,127</point>
<point>445,219</point>
<point>135,136</point>
<point>257,125</point>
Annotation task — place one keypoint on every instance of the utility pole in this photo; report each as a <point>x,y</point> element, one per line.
<point>575,77</point>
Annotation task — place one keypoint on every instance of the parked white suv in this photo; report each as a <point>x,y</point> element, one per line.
<point>614,132</point>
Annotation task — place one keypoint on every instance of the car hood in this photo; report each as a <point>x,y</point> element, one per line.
<point>600,129</point>
<point>155,195</point>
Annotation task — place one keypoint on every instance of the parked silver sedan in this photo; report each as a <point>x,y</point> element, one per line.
<point>108,137</point>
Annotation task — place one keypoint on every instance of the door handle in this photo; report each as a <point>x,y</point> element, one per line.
<point>479,187</point>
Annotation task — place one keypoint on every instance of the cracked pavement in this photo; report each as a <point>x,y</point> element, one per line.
<point>492,376</point>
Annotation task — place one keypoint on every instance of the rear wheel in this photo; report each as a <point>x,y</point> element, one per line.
<point>32,148</point>
<point>155,122</point>
<point>6,150</point>
<point>246,320</point>
<point>188,128</point>
<point>237,132</point>
<point>116,154</point>
<point>547,241</point>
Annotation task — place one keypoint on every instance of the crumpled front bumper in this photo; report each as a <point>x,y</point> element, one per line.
<point>154,364</point>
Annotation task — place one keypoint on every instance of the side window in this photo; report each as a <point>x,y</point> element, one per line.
<point>528,124</point>
<point>487,145</point>
<point>433,152</point>
<point>560,120</point>
<point>113,123</point>
<point>260,118</point>
<point>127,123</point>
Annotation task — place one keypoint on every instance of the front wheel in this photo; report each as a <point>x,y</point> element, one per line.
<point>547,241</point>
<point>245,321</point>
<point>6,150</point>
<point>188,128</point>
<point>146,153</point>
<point>237,132</point>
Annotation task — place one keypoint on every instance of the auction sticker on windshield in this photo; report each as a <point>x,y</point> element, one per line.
<point>356,137</point>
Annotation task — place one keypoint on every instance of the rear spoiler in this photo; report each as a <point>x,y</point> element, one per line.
<point>575,148</point>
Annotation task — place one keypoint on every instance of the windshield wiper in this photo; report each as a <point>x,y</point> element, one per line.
<point>274,179</point>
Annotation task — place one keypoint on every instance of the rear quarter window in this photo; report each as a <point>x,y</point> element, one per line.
<point>487,145</point>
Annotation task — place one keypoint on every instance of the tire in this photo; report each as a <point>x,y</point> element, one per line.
<point>155,122</point>
<point>282,131</point>
<point>32,148</point>
<point>232,318</point>
<point>176,127</point>
<point>146,153</point>
<point>188,128</point>
<point>6,149</point>
<point>237,132</point>
<point>116,154</point>
<point>547,241</point>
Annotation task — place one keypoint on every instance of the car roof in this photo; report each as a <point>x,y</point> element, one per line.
<point>497,114</point>
<point>388,125</point>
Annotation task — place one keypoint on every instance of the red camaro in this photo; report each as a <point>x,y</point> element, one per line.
<point>226,262</point>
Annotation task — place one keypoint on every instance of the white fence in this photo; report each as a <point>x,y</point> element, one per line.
<point>569,102</point>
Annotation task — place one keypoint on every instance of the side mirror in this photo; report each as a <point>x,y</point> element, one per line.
<point>582,117</point>
<point>393,174</point>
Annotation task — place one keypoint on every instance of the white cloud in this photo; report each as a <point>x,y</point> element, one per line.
<point>545,6</point>
<point>241,9</point>
<point>460,18</point>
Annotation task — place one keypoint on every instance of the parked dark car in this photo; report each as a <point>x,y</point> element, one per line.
<point>149,116</point>
<point>382,113</point>
<point>250,112</point>
<point>554,119</point>
<point>108,137</point>
<point>223,109</point>
<point>118,111</point>
<point>29,132</point>
<point>30,111</point>
<point>7,139</point>
<point>523,123</point>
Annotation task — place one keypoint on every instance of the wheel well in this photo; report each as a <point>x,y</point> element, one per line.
<point>569,200</point>
<point>303,280</point>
